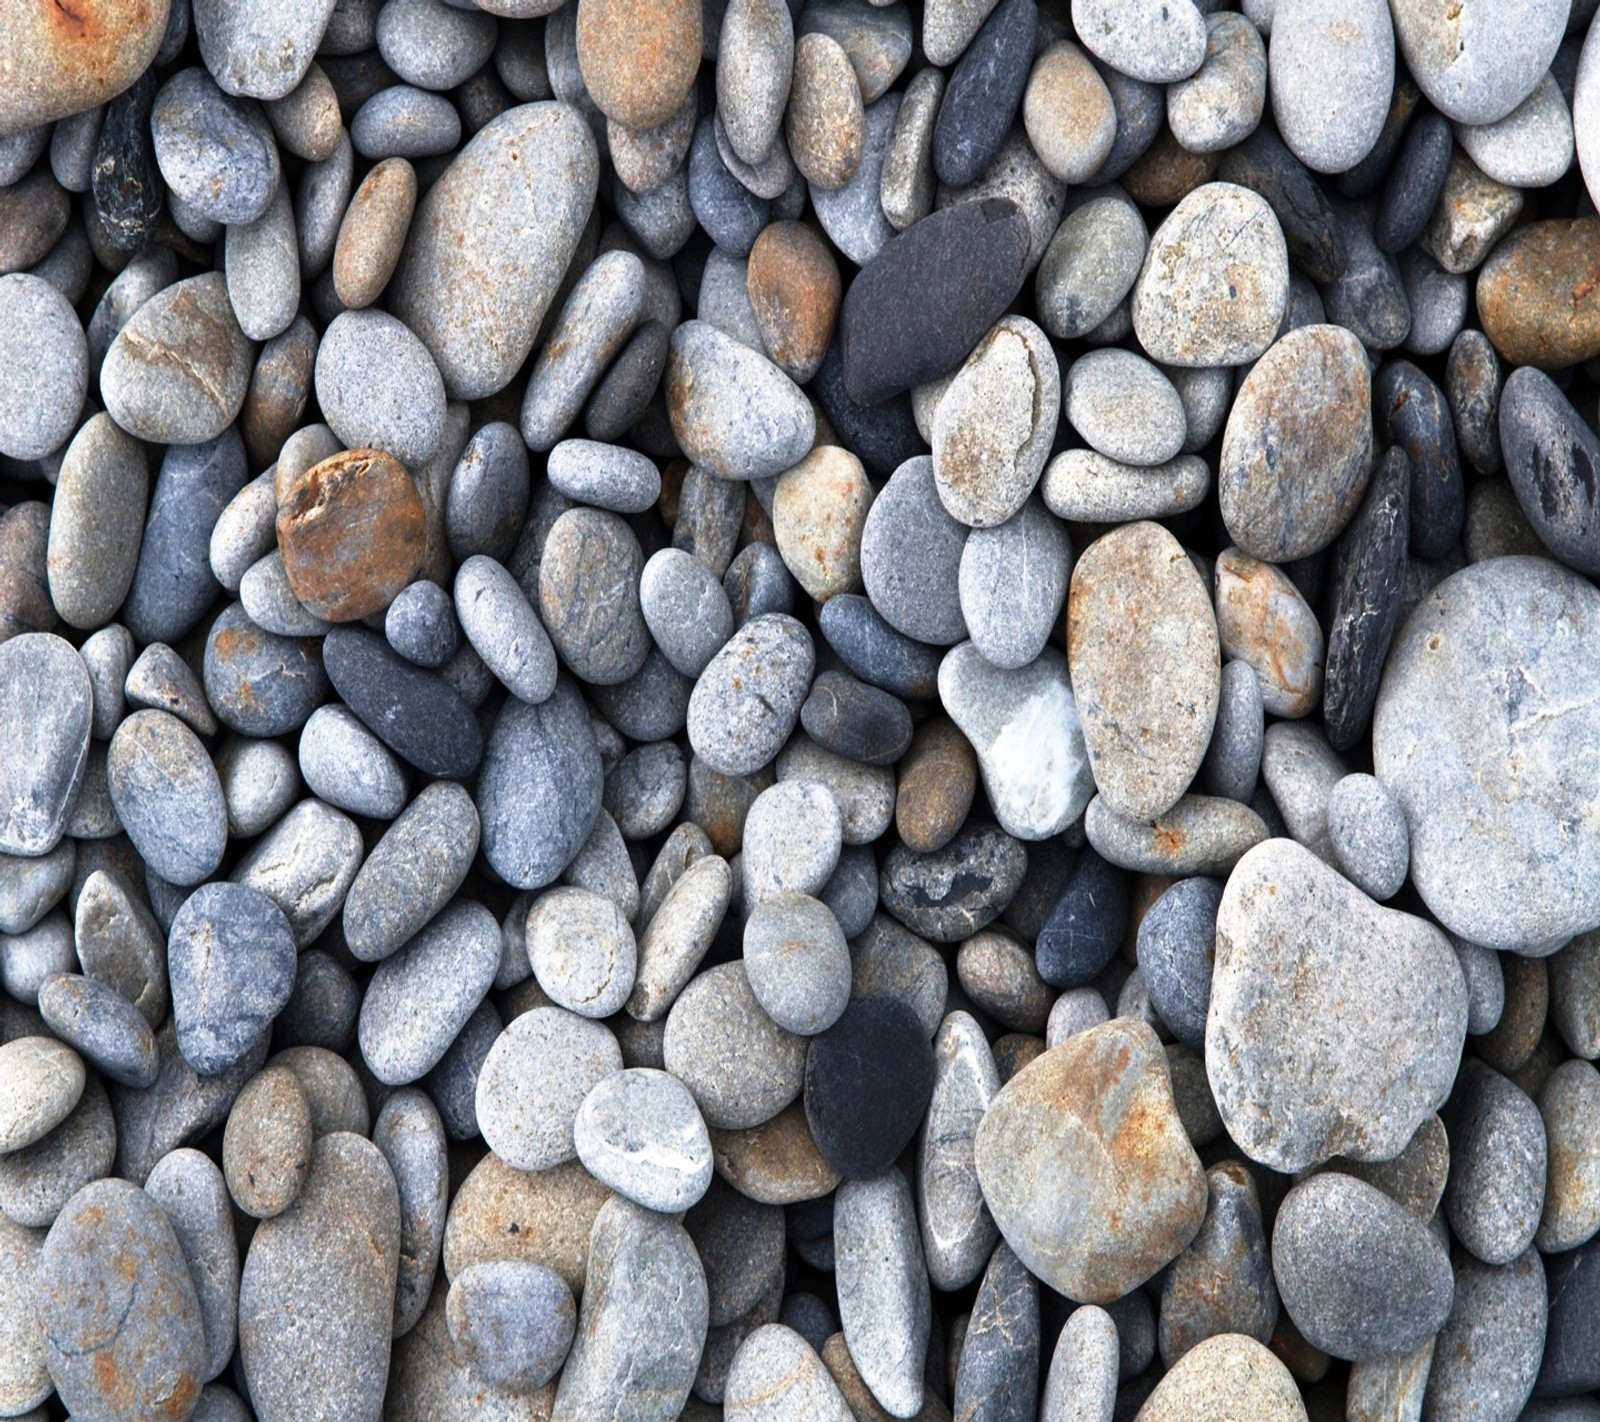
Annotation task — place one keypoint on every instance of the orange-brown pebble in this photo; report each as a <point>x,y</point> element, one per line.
<point>818,511</point>
<point>1539,294</point>
<point>826,124</point>
<point>1167,173</point>
<point>352,530</point>
<point>373,232</point>
<point>938,779</point>
<point>639,57</point>
<point>793,283</point>
<point>776,1163</point>
<point>61,59</point>
<point>1014,1051</point>
<point>1068,114</point>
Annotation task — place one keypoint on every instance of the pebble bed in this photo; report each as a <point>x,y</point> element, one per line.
<point>799,710</point>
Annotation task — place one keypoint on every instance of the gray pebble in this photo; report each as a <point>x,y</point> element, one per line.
<point>589,595</point>
<point>918,597</point>
<point>606,476</point>
<point>1151,42</point>
<point>677,932</point>
<point>747,700</point>
<point>46,708</point>
<point>38,1180</point>
<point>792,837</point>
<point>349,767</point>
<point>379,388</point>
<point>262,266</point>
<point>1081,1385</point>
<point>190,1191</point>
<point>104,1027</point>
<point>119,943</point>
<point>853,215</point>
<point>404,122</point>
<point>1486,1358</point>
<point>797,962</point>
<point>1300,769</point>
<point>420,624</point>
<point>453,1084</point>
<point>432,44</point>
<point>1477,67</point>
<point>1085,487</point>
<point>216,153</point>
<point>33,885</point>
<point>96,522</point>
<point>504,629</point>
<point>44,1079</point>
<point>1175,948</point>
<point>1530,147</point>
<point>260,781</point>
<point>245,530</point>
<point>28,958</point>
<point>411,1136</point>
<point>644,790</point>
<point>582,951</point>
<point>958,1232</point>
<point>1495,1195</point>
<point>640,1132</point>
<point>1124,407</point>
<point>685,608</point>
<point>305,865</point>
<point>43,367</point>
<point>488,497</point>
<point>1233,759</point>
<point>1090,265</point>
<point>1438,301</point>
<point>1368,831</point>
<point>1486,985</point>
<point>320,200</point>
<point>512,1320</point>
<point>167,795</point>
<point>1331,79</point>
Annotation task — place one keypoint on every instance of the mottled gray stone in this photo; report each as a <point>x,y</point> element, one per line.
<point>919,597</point>
<point>305,865</point>
<point>216,153</point>
<point>512,1321</point>
<point>1331,74</point>
<point>1090,265</point>
<point>1498,1153</point>
<point>639,1131</point>
<point>411,1136</point>
<point>1487,1355</point>
<point>685,608</point>
<point>1012,584</point>
<point>581,950</point>
<point>1368,832</point>
<point>102,1025</point>
<point>46,710</point>
<point>747,701</point>
<point>190,1191</point>
<point>797,961</point>
<point>43,367</point>
<point>167,795</point>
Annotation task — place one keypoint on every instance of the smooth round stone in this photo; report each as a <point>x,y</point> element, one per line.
<point>44,1080</point>
<point>1394,1063</point>
<point>1546,443</point>
<point>262,269</point>
<point>975,254</point>
<point>325,1268</point>
<point>1226,1373</point>
<point>156,396</point>
<point>1369,835</point>
<point>1154,43</point>
<point>776,1374</point>
<point>710,513</point>
<point>257,683</point>
<point>1569,1105</point>
<point>533,1081</point>
<point>825,123</point>
<point>231,959</point>
<point>40,335</point>
<point>33,217</point>
<point>1530,147</point>
<point>1085,487</point>
<point>216,154</point>
<point>951,893</point>
<point>403,122</point>
<point>797,962</point>
<point>645,790</point>
<point>999,975</point>
<point>792,281</point>
<point>1414,183</point>
<point>1473,384</point>
<point>266,1148</point>
<point>1175,946</point>
<point>640,1132</point>
<point>420,624</point>
<point>1068,113</point>
<point>1082,1376</point>
<point>638,61</point>
<point>474,282</point>
<point>1438,302</point>
<point>1124,407</point>
<point>1489,1345</point>
<point>1084,1163</point>
<point>747,701</point>
<point>349,767</point>
<point>61,71</point>
<point>755,52</point>
<point>31,886</point>
<point>167,796</point>
<point>101,1025</point>
<point>1012,584</point>
<point>1331,78</point>
<point>25,603</point>
<point>1452,656</point>
<point>46,710</point>
<point>729,212</point>
<point>512,1321</point>
<point>503,628</point>
<point>853,216</point>
<point>983,93</point>
<point>607,476</point>
<point>305,866</point>
<point>1478,65</point>
<point>411,710</point>
<point>488,497</point>
<point>38,1180</point>
<point>1142,774</point>
<point>995,423</point>
<point>1305,408</point>
<point>856,721</point>
<point>819,508</point>
<point>1495,1196</point>
<point>433,45</point>
<point>117,939</point>
<point>321,1011</point>
<point>582,951</point>
<point>122,1326</point>
<point>96,523</point>
<point>685,608</point>
<point>732,410</point>
<point>1221,103</point>
<point>410,1132</point>
<point>379,388</point>
<point>263,54</point>
<point>1215,282</point>
<point>917,597</point>
<point>741,1067</point>
<point>1090,265</point>
<point>677,934</point>
<point>1419,423</point>
<point>792,837</point>
<point>1263,621</point>
<point>936,781</point>
<point>421,997</point>
<point>958,1233</point>
<point>868,1081</point>
<point>1361,1276</point>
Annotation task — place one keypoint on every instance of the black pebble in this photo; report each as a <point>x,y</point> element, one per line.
<point>881,436</point>
<point>1417,418</point>
<point>1472,385</point>
<point>1263,164</point>
<point>1572,1334</point>
<point>1553,459</point>
<point>869,1079</point>
<point>855,720</point>
<point>124,182</point>
<point>983,93</point>
<point>1414,184</point>
<point>1086,926</point>
<point>875,652</point>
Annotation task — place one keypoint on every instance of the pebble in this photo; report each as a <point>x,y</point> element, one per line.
<point>512,1321</point>
<point>403,122</point>
<point>1229,1372</point>
<point>1024,727</point>
<point>1361,1276</point>
<point>1107,638</point>
<point>1085,487</point>
<point>639,1131</point>
<point>327,1264</point>
<point>39,334</point>
<point>1092,1223</point>
<point>797,962</point>
<point>44,1081</point>
<point>1331,79</point>
<point>793,285</point>
<point>777,1374</point>
<point>1472,214</point>
<point>1495,1196</point>
<point>503,628</point>
<point>346,765</point>
<point>1090,265</point>
<point>1546,443</point>
<point>1215,282</point>
<point>96,523</point>
<point>951,893</point>
<point>1263,621</point>
<point>1487,1348</point>
<point>1465,875</point>
<point>676,935</point>
<point>267,1145</point>
<point>305,865</point>
<point>1124,407</point>
<point>958,1232</point>
<point>47,701</point>
<point>756,62</point>
<point>825,123</point>
<point>1155,44</point>
<point>1395,1066</point>
<point>1222,102</point>
<point>1369,836</point>
<point>747,701</point>
<point>582,951</point>
<point>166,794</point>
<point>1012,584</point>
<point>819,508</point>
<point>1477,67</point>
<point>918,599</point>
<point>1276,424</point>
<point>1176,944</point>
<point>983,93</point>
<point>1082,1379</point>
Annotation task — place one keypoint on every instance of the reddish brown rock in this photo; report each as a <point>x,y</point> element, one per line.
<point>775,1163</point>
<point>938,779</point>
<point>1539,294</point>
<point>353,531</point>
<point>826,124</point>
<point>639,57</point>
<point>1167,172</point>
<point>793,283</point>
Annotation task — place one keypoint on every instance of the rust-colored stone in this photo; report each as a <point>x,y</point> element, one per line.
<point>1539,294</point>
<point>1167,172</point>
<point>938,779</point>
<point>794,288</point>
<point>639,57</point>
<point>775,1163</point>
<point>373,231</point>
<point>352,530</point>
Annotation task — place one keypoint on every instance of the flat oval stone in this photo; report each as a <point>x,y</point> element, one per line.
<point>1360,1275</point>
<point>1297,449</point>
<point>304,865</point>
<point>39,334</point>
<point>316,1297</point>
<point>262,54</point>
<point>1452,656</point>
<point>46,711</point>
<point>379,387</point>
<point>189,1188</point>
<point>168,797</point>
<point>747,701</point>
<point>231,959</point>
<point>589,596</point>
<point>640,1132</point>
<point>59,68</point>
<point>96,523</point>
<point>1086,1167</point>
<point>1496,1190</point>
<point>475,280</point>
<point>819,508</point>
<point>1548,448</point>
<point>1124,407</point>
<point>958,1232</point>
<point>1331,77</point>
<point>44,1080</point>
<point>266,1147</point>
<point>983,93</point>
<point>1263,621</point>
<point>512,1321</point>
<point>1569,1105</point>
<point>1229,1372</point>
<point>1146,725</point>
<point>755,50</point>
<point>1387,1020</point>
<point>1479,64</point>
<point>411,710</point>
<point>177,373</point>
<point>121,1323</point>
<point>102,1025</point>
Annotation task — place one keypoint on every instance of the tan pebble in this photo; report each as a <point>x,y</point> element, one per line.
<point>793,284</point>
<point>373,232</point>
<point>826,125</point>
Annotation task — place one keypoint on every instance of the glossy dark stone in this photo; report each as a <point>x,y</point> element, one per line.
<point>997,1377</point>
<point>173,584</point>
<point>951,893</point>
<point>1086,925</point>
<point>881,436</point>
<point>868,1082</point>
<point>875,652</point>
<point>1175,945</point>
<point>260,684</point>
<point>1367,176</point>
<point>409,709</point>
<point>1472,385</point>
<point>1417,419</point>
<point>1265,165</point>
<point>918,308</point>
<point>632,378</point>
<point>1572,1334</point>
<point>124,181</point>
<point>1369,573</point>
<point>983,93</point>
<point>1414,183</point>
<point>1553,460</point>
<point>1369,298</point>
<point>855,720</point>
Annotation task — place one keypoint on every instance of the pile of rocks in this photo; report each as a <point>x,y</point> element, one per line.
<point>799,709</point>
